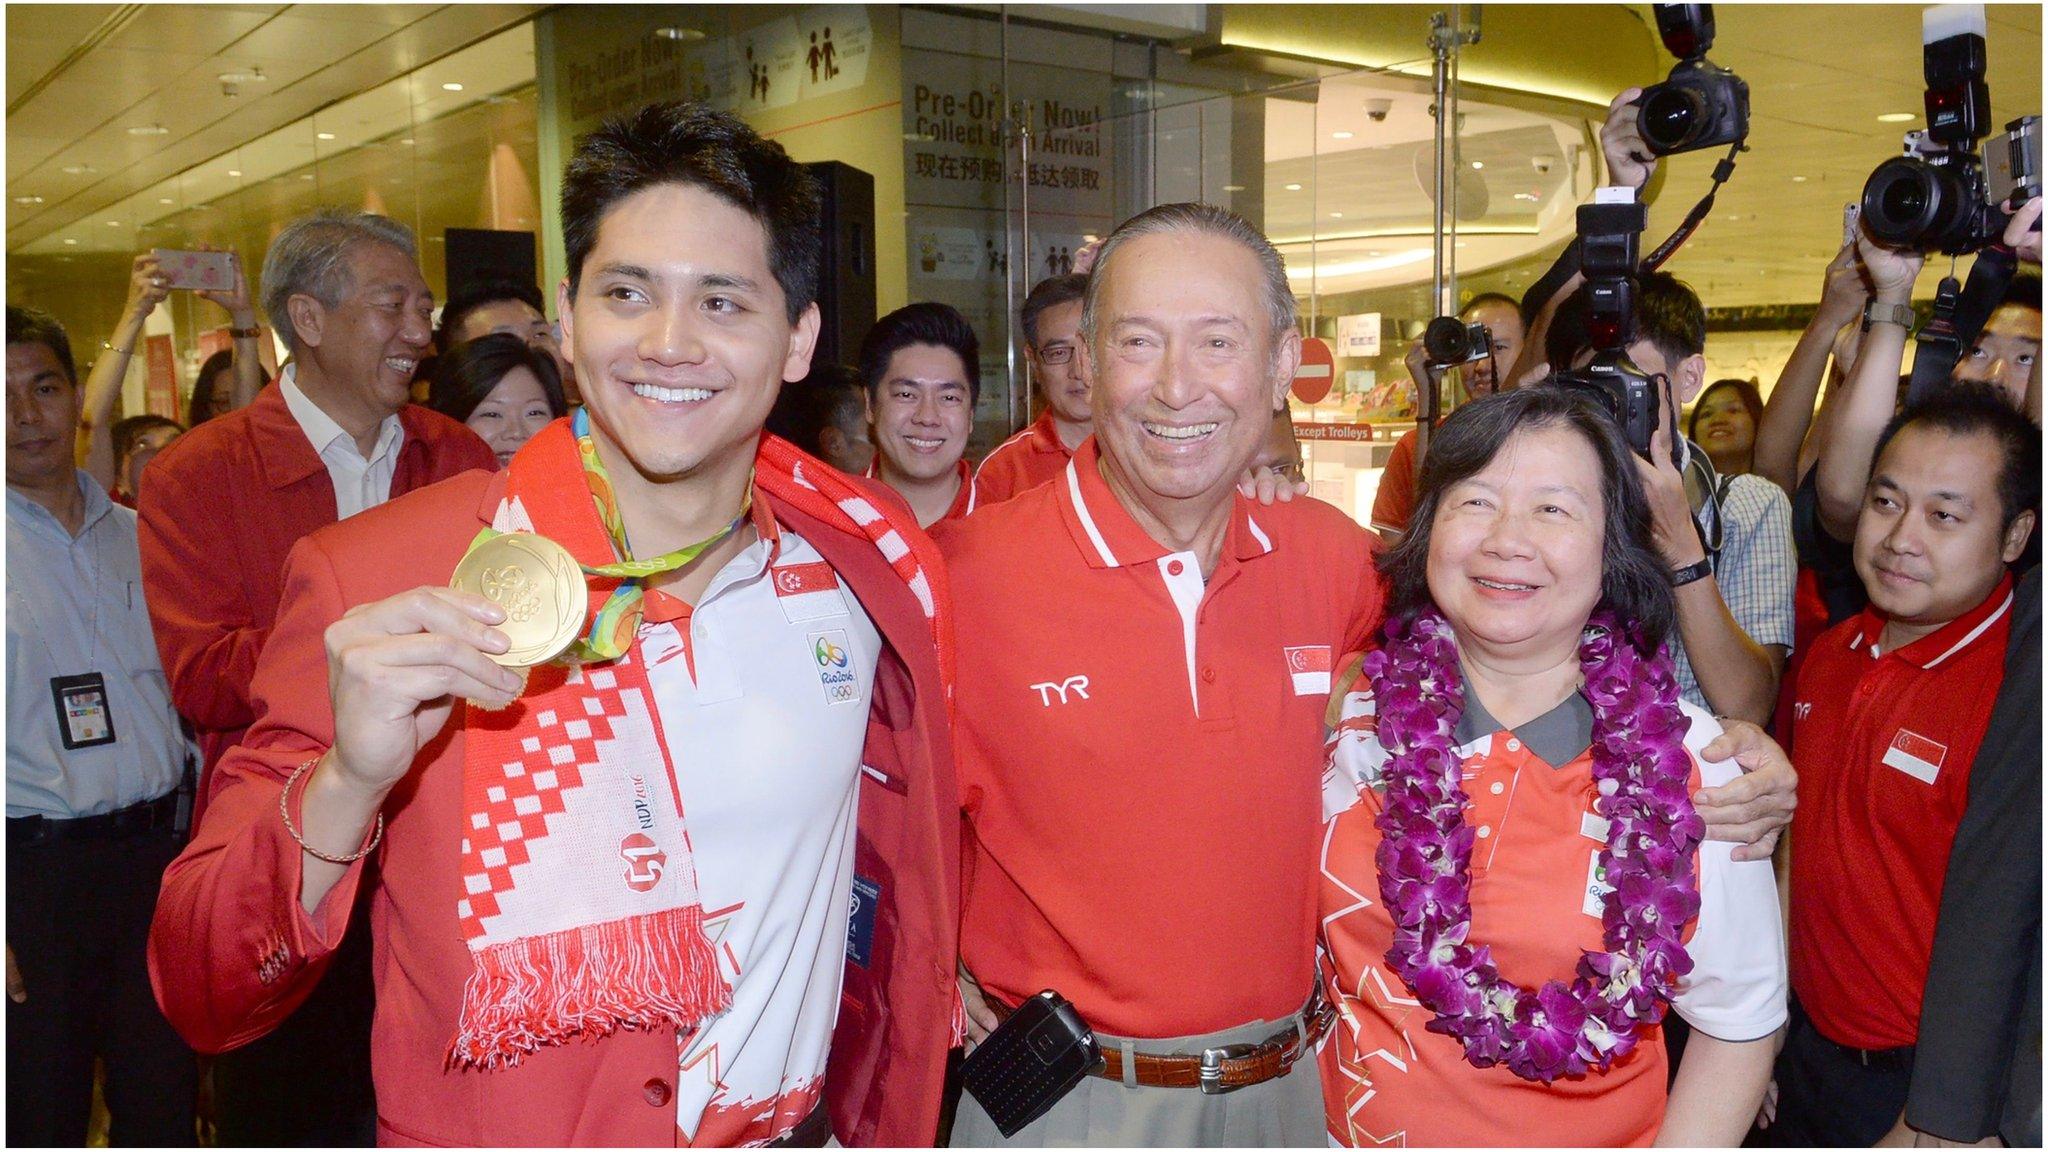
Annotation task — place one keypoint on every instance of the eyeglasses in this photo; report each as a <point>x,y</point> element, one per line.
<point>1056,355</point>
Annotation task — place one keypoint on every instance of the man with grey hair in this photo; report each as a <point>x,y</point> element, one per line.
<point>224,504</point>
<point>1141,781</point>
<point>1145,663</point>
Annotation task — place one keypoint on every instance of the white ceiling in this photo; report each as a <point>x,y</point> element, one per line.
<point>80,76</point>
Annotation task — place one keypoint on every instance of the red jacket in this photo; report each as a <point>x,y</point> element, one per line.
<point>232,952</point>
<point>226,502</point>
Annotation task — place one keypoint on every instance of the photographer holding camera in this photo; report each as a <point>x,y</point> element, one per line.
<point>1480,366</point>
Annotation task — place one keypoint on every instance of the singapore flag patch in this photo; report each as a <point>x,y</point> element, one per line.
<point>1309,667</point>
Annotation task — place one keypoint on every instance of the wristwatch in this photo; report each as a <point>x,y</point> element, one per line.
<point>1698,570</point>
<point>1876,313</point>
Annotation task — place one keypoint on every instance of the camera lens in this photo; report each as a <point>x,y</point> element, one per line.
<point>1909,203</point>
<point>1671,117</point>
<point>1447,341</point>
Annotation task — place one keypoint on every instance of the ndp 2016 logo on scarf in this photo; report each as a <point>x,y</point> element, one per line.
<point>644,858</point>
<point>834,657</point>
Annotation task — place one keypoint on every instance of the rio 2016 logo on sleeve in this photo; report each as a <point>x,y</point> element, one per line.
<point>834,658</point>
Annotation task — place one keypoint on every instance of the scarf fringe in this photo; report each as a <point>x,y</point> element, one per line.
<point>639,972</point>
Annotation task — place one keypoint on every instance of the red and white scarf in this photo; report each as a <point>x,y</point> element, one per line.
<point>580,901</point>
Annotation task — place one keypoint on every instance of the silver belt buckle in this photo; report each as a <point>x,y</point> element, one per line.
<point>1212,1067</point>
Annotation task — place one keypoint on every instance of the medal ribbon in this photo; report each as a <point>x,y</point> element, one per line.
<point>617,620</point>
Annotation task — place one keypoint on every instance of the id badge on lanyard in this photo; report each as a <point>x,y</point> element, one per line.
<point>85,717</point>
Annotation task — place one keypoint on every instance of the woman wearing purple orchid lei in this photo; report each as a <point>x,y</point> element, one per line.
<point>1515,887</point>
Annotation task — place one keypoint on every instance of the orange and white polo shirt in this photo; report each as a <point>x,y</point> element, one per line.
<point>1536,902</point>
<point>1885,741</point>
<point>762,693</point>
<point>1022,462</point>
<point>1139,751</point>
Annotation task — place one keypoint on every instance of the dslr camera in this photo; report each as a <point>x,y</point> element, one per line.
<point>1942,195</point>
<point>1701,104</point>
<point>1449,341</point>
<point>1608,235</point>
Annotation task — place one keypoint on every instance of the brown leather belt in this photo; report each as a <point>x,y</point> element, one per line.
<point>1224,1068</point>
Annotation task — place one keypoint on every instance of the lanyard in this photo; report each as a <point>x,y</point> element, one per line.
<point>617,620</point>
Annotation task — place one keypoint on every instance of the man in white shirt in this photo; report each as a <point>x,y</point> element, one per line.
<point>94,757</point>
<point>224,506</point>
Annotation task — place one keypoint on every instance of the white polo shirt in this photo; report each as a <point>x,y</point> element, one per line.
<point>762,694</point>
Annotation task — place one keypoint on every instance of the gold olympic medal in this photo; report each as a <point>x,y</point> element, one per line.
<point>539,586</point>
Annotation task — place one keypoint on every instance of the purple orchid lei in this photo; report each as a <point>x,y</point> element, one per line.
<point>1641,771</point>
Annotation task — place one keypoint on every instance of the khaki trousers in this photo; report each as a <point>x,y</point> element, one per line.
<point>1285,1112</point>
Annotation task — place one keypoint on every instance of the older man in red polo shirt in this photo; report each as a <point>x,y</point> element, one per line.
<point>1891,708</point>
<point>1145,660</point>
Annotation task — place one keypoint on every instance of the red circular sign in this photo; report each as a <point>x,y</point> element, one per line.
<point>1317,373</point>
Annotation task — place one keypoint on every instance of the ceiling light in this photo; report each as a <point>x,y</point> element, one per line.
<point>1233,187</point>
<point>451,86</point>
<point>28,199</point>
<point>1294,187</point>
<point>1897,117</point>
<point>1336,215</point>
<point>163,200</point>
<point>249,76</point>
<point>149,130</point>
<point>1340,135</point>
<point>71,239</point>
<point>323,135</point>
<point>305,175</point>
<point>671,32</point>
<point>1461,244</point>
<point>1529,196</point>
<point>234,171</point>
<point>113,223</point>
<point>407,141</point>
<point>79,169</point>
<point>1799,179</point>
<point>1478,164</point>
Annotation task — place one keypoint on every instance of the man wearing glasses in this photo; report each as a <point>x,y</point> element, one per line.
<point>1052,327</point>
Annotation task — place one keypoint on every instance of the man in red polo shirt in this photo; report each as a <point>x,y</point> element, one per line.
<point>1145,660</point>
<point>1052,342</point>
<point>922,365</point>
<point>1891,707</point>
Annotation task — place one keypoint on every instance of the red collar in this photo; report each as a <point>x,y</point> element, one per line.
<point>1944,642</point>
<point>964,498</point>
<point>1108,537</point>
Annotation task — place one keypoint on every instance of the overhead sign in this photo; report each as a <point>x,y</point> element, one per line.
<point>1317,372</point>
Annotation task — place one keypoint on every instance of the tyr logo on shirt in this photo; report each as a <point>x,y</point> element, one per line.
<point>1309,667</point>
<point>1800,708</point>
<point>1916,755</point>
<point>644,861</point>
<point>1077,685</point>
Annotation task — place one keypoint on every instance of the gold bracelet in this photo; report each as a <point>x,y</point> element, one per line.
<point>284,809</point>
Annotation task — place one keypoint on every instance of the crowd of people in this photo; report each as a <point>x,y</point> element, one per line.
<point>1592,795</point>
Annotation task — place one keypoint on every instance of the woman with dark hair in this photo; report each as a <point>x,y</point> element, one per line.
<point>1515,884</point>
<point>1724,421</point>
<point>213,393</point>
<point>499,385</point>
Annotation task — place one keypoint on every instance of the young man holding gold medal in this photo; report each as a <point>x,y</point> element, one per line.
<point>661,790</point>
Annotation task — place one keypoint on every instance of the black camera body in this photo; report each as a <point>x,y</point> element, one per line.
<point>1608,236</point>
<point>1449,341</point>
<point>1701,104</point>
<point>1942,196</point>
